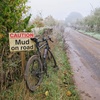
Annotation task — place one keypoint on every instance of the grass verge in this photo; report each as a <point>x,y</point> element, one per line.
<point>92,34</point>
<point>58,86</point>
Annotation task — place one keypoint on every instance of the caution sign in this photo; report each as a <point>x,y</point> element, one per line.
<point>21,41</point>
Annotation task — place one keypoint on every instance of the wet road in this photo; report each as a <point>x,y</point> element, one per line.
<point>84,54</point>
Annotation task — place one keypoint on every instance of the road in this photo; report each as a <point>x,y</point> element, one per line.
<point>84,57</point>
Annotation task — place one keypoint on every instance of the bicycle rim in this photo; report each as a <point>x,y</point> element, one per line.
<point>33,73</point>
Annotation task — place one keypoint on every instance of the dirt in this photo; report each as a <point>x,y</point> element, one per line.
<point>84,57</point>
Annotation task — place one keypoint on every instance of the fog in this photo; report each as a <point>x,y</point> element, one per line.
<point>60,9</point>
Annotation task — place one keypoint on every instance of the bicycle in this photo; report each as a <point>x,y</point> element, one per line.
<point>37,64</point>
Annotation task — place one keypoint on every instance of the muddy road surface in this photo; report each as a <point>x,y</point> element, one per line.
<point>84,57</point>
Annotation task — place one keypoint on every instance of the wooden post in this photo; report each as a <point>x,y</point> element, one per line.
<point>23,62</point>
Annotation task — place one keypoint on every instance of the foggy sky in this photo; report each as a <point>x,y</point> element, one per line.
<point>60,9</point>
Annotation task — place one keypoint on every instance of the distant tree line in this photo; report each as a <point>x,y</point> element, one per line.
<point>90,23</point>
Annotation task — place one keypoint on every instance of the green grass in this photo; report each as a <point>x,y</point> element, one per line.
<point>57,84</point>
<point>92,34</point>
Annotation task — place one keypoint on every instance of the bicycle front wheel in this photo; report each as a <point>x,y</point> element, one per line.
<point>33,73</point>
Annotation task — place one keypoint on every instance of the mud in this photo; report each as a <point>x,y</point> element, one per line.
<point>84,54</point>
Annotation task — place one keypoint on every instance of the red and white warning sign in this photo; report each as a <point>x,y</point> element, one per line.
<point>21,41</point>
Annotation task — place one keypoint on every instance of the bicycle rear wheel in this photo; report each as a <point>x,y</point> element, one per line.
<point>51,62</point>
<point>33,73</point>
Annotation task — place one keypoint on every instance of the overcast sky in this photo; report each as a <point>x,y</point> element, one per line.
<point>60,9</point>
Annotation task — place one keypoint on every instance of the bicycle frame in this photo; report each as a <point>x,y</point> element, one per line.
<point>38,63</point>
<point>39,47</point>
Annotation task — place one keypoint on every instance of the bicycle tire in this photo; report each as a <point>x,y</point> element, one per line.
<point>33,77</point>
<point>51,60</point>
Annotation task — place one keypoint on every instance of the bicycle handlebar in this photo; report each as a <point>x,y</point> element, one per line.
<point>43,39</point>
